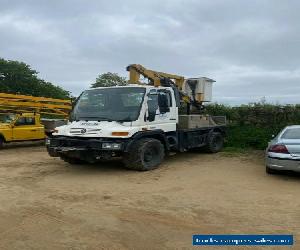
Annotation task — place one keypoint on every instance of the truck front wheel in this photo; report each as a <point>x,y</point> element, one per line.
<point>145,154</point>
<point>215,142</point>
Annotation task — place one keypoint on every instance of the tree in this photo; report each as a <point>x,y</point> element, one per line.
<point>109,79</point>
<point>18,78</point>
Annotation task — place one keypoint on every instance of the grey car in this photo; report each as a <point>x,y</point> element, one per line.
<point>283,152</point>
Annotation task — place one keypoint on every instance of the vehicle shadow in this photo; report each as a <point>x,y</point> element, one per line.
<point>114,165</point>
<point>287,175</point>
<point>14,145</point>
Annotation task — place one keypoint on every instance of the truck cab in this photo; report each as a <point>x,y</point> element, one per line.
<point>139,123</point>
<point>20,127</point>
<point>112,112</point>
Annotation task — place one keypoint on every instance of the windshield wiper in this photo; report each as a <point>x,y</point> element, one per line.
<point>127,119</point>
<point>99,118</point>
<point>124,120</point>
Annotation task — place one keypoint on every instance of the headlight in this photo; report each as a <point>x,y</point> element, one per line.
<point>109,145</point>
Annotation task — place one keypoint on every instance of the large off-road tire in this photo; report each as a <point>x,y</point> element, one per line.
<point>71,160</point>
<point>215,142</point>
<point>144,154</point>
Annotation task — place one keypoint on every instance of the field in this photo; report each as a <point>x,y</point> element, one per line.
<point>46,204</point>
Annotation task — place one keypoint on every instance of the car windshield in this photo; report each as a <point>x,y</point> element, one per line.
<point>109,104</point>
<point>7,118</point>
<point>291,133</point>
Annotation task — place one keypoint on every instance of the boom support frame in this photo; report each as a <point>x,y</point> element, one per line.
<point>11,103</point>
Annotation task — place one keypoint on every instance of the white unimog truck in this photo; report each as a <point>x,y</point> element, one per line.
<point>139,122</point>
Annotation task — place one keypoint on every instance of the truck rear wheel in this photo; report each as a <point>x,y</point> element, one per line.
<point>71,160</point>
<point>145,154</point>
<point>215,142</point>
<point>1,143</point>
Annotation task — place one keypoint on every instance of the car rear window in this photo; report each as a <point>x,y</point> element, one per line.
<point>291,133</point>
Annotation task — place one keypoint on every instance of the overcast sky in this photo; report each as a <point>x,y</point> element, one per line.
<point>251,48</point>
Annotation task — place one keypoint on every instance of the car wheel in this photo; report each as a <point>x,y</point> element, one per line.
<point>271,171</point>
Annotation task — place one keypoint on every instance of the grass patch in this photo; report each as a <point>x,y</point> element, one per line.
<point>236,150</point>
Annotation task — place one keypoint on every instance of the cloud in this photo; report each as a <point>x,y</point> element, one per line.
<point>249,47</point>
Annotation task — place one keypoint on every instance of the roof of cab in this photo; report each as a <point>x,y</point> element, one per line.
<point>130,86</point>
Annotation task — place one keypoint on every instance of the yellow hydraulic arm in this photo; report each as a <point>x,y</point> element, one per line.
<point>42,105</point>
<point>136,70</point>
<point>155,77</point>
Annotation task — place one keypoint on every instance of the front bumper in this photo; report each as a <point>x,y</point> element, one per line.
<point>280,162</point>
<point>63,145</point>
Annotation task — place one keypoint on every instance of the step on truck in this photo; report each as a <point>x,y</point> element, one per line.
<point>140,122</point>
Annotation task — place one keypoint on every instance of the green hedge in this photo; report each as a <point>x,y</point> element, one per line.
<point>248,136</point>
<point>253,125</point>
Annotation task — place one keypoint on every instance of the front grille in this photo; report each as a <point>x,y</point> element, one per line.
<point>70,143</point>
<point>84,131</point>
<point>88,143</point>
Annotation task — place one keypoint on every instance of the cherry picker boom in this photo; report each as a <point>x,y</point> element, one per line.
<point>191,91</point>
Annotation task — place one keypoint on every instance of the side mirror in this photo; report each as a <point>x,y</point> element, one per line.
<point>74,100</point>
<point>163,103</point>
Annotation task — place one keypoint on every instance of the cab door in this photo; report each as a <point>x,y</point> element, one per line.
<point>161,118</point>
<point>25,128</point>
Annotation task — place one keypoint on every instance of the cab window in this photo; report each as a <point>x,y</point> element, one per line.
<point>25,121</point>
<point>152,103</point>
<point>168,95</point>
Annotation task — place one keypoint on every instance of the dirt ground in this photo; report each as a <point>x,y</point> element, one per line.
<point>46,204</point>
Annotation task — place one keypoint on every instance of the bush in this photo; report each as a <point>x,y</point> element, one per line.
<point>252,125</point>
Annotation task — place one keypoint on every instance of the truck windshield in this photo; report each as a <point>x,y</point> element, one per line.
<point>109,104</point>
<point>7,118</point>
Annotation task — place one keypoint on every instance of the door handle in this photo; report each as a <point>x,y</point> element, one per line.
<point>33,130</point>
